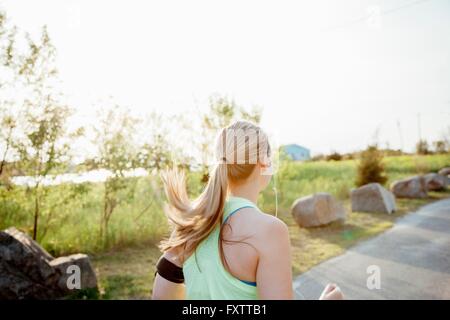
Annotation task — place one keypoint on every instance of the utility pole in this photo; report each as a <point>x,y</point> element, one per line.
<point>400,134</point>
<point>419,127</point>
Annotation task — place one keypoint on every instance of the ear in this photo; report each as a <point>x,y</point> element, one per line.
<point>265,164</point>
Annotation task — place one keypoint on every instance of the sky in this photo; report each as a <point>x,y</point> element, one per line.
<point>328,74</point>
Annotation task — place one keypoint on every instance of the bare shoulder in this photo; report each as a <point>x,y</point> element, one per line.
<point>269,234</point>
<point>263,223</point>
<point>273,224</point>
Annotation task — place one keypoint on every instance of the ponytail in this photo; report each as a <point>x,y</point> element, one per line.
<point>193,221</point>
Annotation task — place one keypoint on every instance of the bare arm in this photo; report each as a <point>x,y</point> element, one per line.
<point>167,290</point>
<point>274,274</point>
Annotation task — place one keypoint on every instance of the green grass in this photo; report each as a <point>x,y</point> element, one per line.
<point>125,262</point>
<point>126,273</point>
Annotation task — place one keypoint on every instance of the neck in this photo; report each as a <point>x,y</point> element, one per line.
<point>246,191</point>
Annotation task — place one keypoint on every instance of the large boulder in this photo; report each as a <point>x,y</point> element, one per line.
<point>27,271</point>
<point>436,181</point>
<point>317,210</point>
<point>29,244</point>
<point>445,171</point>
<point>412,187</point>
<point>372,197</point>
<point>88,280</point>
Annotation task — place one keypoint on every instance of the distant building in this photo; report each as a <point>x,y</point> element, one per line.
<point>296,152</point>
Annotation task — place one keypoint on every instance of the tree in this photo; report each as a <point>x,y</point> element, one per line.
<point>44,144</point>
<point>8,124</point>
<point>422,147</point>
<point>8,69</point>
<point>446,138</point>
<point>370,167</point>
<point>33,133</point>
<point>115,140</point>
<point>155,152</point>
<point>318,157</point>
<point>440,146</point>
<point>335,156</point>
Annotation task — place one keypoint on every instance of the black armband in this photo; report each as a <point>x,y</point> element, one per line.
<point>169,271</point>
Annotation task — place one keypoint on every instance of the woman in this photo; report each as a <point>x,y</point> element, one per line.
<point>222,246</point>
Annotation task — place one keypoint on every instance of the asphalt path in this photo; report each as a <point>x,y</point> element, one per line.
<point>411,261</point>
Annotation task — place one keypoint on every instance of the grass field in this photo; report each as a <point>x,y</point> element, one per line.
<point>125,262</point>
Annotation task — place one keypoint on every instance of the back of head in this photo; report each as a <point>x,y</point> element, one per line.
<point>239,147</point>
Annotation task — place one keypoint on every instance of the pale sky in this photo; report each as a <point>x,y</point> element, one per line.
<point>327,73</point>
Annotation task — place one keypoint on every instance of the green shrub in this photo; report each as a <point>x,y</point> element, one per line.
<point>370,167</point>
<point>335,156</point>
<point>422,147</point>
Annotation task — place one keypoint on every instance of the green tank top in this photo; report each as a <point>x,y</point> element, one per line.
<point>205,276</point>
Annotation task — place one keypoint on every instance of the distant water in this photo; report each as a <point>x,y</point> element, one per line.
<point>88,176</point>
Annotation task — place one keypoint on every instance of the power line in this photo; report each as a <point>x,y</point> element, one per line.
<point>381,13</point>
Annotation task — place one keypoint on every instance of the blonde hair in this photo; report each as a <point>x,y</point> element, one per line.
<point>239,148</point>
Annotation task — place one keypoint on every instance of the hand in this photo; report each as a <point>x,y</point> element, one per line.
<point>331,292</point>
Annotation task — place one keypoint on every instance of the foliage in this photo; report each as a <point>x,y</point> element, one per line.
<point>422,147</point>
<point>116,153</point>
<point>8,124</point>
<point>334,156</point>
<point>155,151</point>
<point>318,157</point>
<point>370,167</point>
<point>34,120</point>
<point>9,71</point>
<point>440,146</point>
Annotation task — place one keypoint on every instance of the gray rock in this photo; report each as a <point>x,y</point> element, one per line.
<point>445,171</point>
<point>15,284</point>
<point>435,182</point>
<point>25,268</point>
<point>87,274</point>
<point>372,197</point>
<point>29,243</point>
<point>27,271</point>
<point>317,210</point>
<point>412,187</point>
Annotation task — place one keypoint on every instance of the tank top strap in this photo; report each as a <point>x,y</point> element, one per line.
<point>234,204</point>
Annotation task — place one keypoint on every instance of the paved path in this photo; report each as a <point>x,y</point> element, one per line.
<point>413,257</point>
